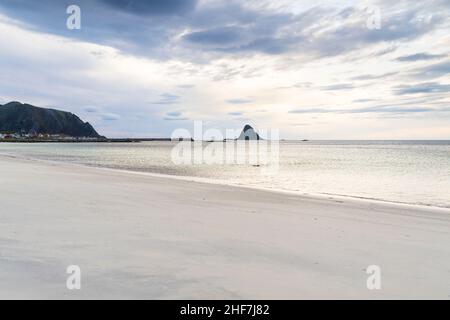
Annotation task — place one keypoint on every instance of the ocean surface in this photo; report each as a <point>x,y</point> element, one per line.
<point>413,172</point>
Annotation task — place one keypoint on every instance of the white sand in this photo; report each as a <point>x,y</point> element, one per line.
<point>137,236</point>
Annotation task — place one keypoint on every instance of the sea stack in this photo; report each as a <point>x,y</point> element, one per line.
<point>248,133</point>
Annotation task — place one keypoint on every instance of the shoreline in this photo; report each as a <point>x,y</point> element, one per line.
<point>318,196</point>
<point>105,140</point>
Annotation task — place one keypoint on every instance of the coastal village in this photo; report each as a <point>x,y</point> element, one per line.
<point>27,137</point>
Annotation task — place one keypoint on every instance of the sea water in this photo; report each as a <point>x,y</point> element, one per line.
<point>414,172</point>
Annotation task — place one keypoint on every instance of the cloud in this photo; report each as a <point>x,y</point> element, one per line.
<point>347,36</point>
<point>432,71</point>
<point>428,87</point>
<point>306,84</point>
<point>90,109</point>
<point>364,100</point>
<point>167,98</point>
<point>175,116</point>
<point>239,101</point>
<point>375,109</point>
<point>235,113</point>
<point>222,36</point>
<point>153,7</point>
<point>313,110</point>
<point>110,117</point>
<point>268,32</point>
<point>142,28</point>
<point>374,76</point>
<point>99,113</point>
<point>166,29</point>
<point>186,86</point>
<point>337,87</point>
<point>300,85</point>
<point>420,57</point>
<point>383,109</point>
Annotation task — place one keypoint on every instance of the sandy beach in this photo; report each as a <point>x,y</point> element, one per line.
<point>146,237</point>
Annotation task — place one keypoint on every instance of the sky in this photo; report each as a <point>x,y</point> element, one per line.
<point>311,69</point>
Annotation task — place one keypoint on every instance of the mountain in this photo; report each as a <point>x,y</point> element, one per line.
<point>16,117</point>
<point>248,133</point>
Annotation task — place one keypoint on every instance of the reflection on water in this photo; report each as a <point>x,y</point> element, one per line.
<point>409,171</point>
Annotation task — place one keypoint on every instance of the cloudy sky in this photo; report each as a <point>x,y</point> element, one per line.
<point>312,69</point>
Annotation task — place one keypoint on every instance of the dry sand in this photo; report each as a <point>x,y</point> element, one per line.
<point>146,237</point>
